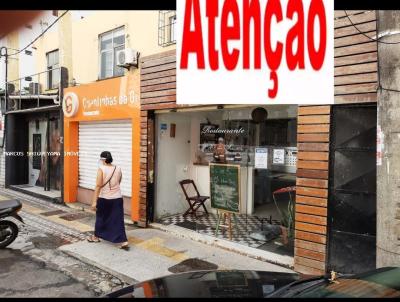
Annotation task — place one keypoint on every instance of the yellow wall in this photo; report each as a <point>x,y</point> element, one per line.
<point>48,42</point>
<point>78,40</point>
<point>140,26</point>
<point>65,40</point>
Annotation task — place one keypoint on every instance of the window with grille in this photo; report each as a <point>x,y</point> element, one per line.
<point>110,43</point>
<point>53,75</point>
<point>166,28</point>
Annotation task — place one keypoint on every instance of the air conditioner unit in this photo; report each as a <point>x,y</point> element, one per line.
<point>127,57</point>
<point>34,88</point>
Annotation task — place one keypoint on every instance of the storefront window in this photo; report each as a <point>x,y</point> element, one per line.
<point>237,162</point>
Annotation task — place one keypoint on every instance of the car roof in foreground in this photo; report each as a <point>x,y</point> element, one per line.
<point>211,283</point>
<point>383,282</point>
<point>380,283</point>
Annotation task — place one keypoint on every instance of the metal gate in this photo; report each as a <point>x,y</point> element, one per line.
<point>113,136</point>
<point>352,188</point>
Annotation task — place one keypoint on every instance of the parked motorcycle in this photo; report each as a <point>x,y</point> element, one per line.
<point>8,229</point>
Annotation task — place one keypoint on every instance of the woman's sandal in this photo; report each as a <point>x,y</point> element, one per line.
<point>91,239</point>
<point>124,247</point>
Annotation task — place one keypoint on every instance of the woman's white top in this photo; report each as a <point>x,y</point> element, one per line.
<point>112,189</point>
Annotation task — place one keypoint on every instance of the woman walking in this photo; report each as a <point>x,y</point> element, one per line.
<point>108,204</point>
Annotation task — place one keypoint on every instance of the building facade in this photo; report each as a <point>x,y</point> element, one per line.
<point>33,98</point>
<point>334,157</point>
<point>328,153</point>
<point>90,55</point>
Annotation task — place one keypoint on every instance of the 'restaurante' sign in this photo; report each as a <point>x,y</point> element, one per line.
<point>255,51</point>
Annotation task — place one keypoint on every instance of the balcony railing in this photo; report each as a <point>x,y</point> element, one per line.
<point>37,90</point>
<point>166,27</point>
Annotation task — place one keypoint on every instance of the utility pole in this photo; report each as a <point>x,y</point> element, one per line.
<point>388,168</point>
<point>5,55</point>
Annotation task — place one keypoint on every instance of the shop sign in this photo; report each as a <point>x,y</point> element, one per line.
<point>111,99</point>
<point>255,52</point>
<point>261,158</point>
<point>70,104</point>
<point>278,157</point>
<point>92,106</point>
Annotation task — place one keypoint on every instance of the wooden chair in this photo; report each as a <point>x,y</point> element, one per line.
<point>195,202</point>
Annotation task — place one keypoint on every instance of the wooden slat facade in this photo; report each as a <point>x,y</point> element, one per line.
<point>157,91</point>
<point>312,189</point>
<point>356,65</point>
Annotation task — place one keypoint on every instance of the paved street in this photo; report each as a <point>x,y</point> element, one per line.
<point>33,266</point>
<point>22,276</point>
<point>52,251</point>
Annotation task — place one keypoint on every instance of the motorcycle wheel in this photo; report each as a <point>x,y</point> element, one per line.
<point>13,228</point>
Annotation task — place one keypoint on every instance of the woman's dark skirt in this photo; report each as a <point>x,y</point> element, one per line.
<point>110,220</point>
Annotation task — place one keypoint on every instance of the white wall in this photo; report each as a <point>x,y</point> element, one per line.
<point>26,62</point>
<point>27,66</point>
<point>172,164</point>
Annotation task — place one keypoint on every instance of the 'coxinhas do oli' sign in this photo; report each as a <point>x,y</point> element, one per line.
<point>255,51</point>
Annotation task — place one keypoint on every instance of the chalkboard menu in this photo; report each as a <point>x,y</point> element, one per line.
<point>225,187</point>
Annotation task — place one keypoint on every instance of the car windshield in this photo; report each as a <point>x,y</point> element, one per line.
<point>382,283</point>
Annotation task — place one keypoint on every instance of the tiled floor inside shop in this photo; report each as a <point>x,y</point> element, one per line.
<point>206,224</point>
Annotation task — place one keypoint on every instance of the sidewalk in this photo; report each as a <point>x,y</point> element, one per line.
<point>154,252</point>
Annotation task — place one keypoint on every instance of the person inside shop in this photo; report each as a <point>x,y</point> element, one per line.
<point>220,151</point>
<point>108,204</point>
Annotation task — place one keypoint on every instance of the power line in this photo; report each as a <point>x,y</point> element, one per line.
<point>388,89</point>
<point>55,21</point>
<point>375,40</point>
<point>356,14</point>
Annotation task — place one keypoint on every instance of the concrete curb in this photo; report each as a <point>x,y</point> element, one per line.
<point>284,261</point>
<point>125,278</point>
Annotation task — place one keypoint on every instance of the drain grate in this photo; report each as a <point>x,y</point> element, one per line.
<point>76,216</point>
<point>52,213</point>
<point>192,264</point>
